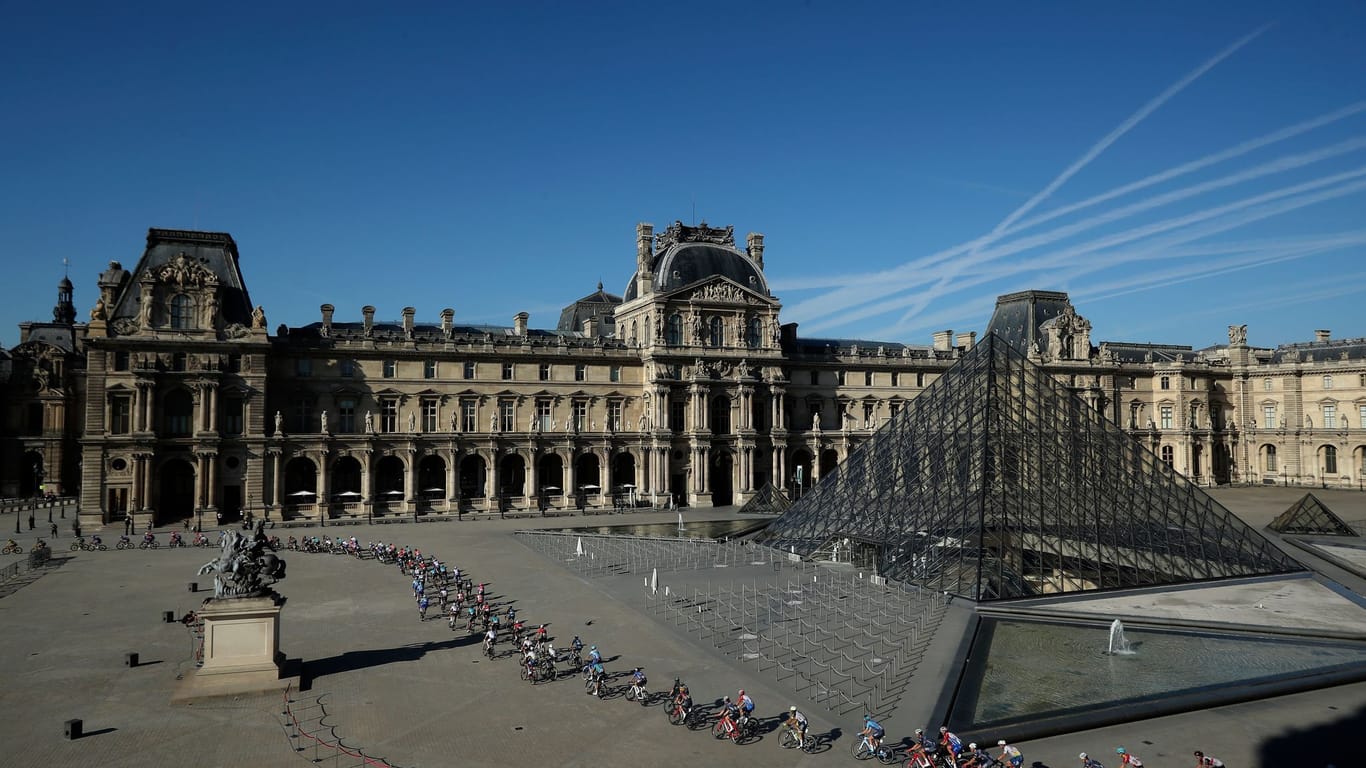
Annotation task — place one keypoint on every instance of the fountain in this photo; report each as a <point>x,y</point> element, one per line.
<point>1119,644</point>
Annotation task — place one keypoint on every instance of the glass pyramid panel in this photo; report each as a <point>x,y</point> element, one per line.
<point>768,501</point>
<point>1309,516</point>
<point>997,482</point>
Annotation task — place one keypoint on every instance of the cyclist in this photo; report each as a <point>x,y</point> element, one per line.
<point>977,758</point>
<point>746,705</point>
<point>1127,760</point>
<point>490,638</point>
<point>951,743</point>
<point>596,673</point>
<point>1089,762</point>
<point>148,537</point>
<point>638,680</point>
<point>873,730</point>
<point>1207,761</point>
<point>11,545</point>
<point>797,722</point>
<point>593,656</point>
<point>512,614</point>
<point>1010,754</point>
<point>924,744</point>
<point>529,658</point>
<point>731,713</point>
<point>124,540</point>
<point>175,539</point>
<point>540,634</point>
<point>683,700</point>
<point>95,539</point>
<point>422,604</point>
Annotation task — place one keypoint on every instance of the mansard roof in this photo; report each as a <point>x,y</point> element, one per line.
<point>1019,316</point>
<point>1130,352</point>
<point>599,304</point>
<point>1319,351</point>
<point>313,334</point>
<point>213,251</point>
<point>686,255</point>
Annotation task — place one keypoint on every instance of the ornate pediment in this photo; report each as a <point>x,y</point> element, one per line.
<point>723,290</point>
<point>186,272</point>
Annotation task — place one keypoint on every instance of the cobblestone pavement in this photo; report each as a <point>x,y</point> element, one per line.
<point>418,695</point>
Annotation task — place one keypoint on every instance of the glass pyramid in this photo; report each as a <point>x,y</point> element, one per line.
<point>768,501</point>
<point>1309,516</point>
<point>997,482</point>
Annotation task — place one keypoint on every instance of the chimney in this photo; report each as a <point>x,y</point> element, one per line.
<point>447,316</point>
<point>519,323</point>
<point>754,246</point>
<point>368,312</point>
<point>590,325</point>
<point>408,313</point>
<point>967,340</point>
<point>327,310</point>
<point>1322,336</point>
<point>645,239</point>
<point>943,340</point>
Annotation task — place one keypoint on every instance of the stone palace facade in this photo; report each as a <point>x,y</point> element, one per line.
<point>176,400</point>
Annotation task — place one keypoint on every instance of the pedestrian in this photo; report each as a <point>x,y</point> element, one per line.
<point>53,528</point>
<point>30,520</point>
<point>187,524</point>
<point>76,528</point>
<point>127,525</point>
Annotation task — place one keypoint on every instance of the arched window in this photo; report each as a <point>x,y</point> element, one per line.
<point>674,333</point>
<point>1166,382</point>
<point>1330,460</point>
<point>752,333</point>
<point>1168,455</point>
<point>1269,458</point>
<point>634,338</point>
<point>715,332</point>
<point>182,311</point>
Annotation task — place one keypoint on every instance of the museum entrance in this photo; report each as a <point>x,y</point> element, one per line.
<point>722,483</point>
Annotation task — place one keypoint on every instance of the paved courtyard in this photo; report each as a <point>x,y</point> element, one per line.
<point>413,693</point>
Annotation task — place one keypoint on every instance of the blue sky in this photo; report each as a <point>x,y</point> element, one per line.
<point>907,161</point>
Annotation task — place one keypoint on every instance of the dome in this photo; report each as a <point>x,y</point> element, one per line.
<point>683,264</point>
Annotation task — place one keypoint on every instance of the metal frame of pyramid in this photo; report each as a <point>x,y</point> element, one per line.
<point>1310,517</point>
<point>767,501</point>
<point>997,482</point>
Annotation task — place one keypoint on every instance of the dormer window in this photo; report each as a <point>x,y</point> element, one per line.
<point>182,312</point>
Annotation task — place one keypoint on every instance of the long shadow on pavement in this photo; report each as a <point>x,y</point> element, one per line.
<point>351,661</point>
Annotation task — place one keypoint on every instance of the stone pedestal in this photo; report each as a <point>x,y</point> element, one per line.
<point>241,649</point>
<point>241,634</point>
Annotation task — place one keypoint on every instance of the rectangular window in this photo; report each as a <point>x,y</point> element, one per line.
<point>1327,382</point>
<point>390,369</point>
<point>303,414</point>
<point>506,415</point>
<point>614,416</point>
<point>469,370</point>
<point>303,366</point>
<point>867,378</point>
<point>232,416</point>
<point>815,378</point>
<point>346,367</point>
<point>429,414</point>
<point>1269,416</point>
<point>580,372</point>
<point>1166,415</point>
<point>839,378</point>
<point>896,378</point>
<point>180,360</point>
<point>1361,420</point>
<point>388,415</point>
<point>120,361</point>
<point>894,407</point>
<point>469,414</point>
<point>429,369</point>
<point>580,415</point>
<point>507,371</point>
<point>1165,382</point>
<point>615,373</point>
<point>920,379</point>
<point>1330,415</point>
<point>1266,385</point>
<point>867,414</point>
<point>120,415</point>
<point>544,415</point>
<point>543,372</point>
<point>677,414</point>
<point>234,363</point>
<point>346,415</point>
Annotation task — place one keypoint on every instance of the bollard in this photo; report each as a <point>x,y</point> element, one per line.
<point>72,729</point>
<point>194,586</point>
<point>130,659</point>
<point>168,617</point>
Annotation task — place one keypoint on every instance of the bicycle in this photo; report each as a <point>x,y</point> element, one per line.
<point>153,544</point>
<point>636,692</point>
<point>726,728</point>
<point>864,749</point>
<point>595,685</point>
<point>13,549</point>
<point>791,739</point>
<point>488,649</point>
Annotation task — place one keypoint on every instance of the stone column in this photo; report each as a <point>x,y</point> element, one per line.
<point>136,501</point>
<point>200,475</point>
<point>491,480</point>
<point>452,487</point>
<point>213,409</point>
<point>211,491</point>
<point>147,481</point>
<point>278,481</point>
<point>321,499</point>
<point>531,490</point>
<point>410,480</point>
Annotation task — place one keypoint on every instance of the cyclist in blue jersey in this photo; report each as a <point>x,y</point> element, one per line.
<point>873,730</point>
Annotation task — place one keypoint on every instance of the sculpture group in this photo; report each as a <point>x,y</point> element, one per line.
<point>246,567</point>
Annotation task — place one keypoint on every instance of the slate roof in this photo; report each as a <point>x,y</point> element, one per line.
<point>599,303</point>
<point>683,264</point>
<point>215,250</point>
